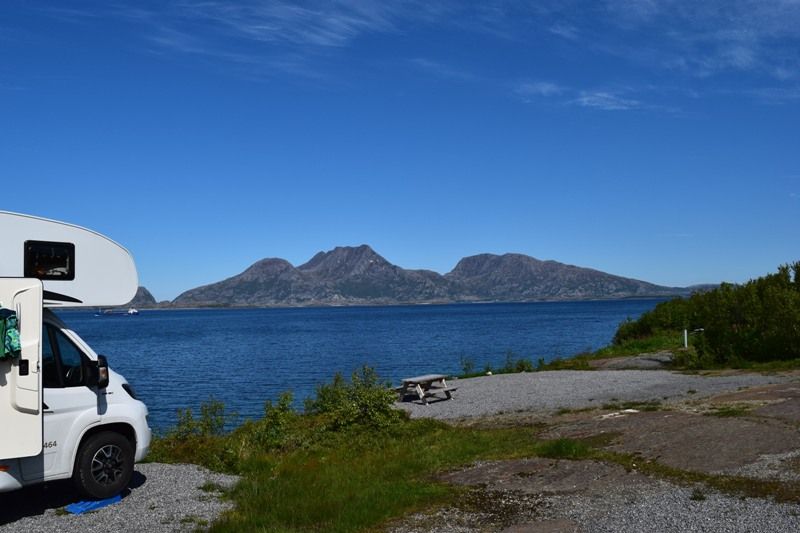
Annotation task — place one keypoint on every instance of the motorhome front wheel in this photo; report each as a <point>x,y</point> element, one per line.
<point>104,465</point>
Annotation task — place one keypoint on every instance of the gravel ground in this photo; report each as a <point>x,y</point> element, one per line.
<point>589,497</point>
<point>548,391</point>
<point>661,507</point>
<point>161,498</point>
<point>667,508</point>
<point>772,466</point>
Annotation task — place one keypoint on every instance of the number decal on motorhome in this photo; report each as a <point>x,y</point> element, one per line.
<point>51,444</point>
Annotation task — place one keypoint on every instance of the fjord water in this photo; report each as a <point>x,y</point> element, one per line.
<point>181,358</point>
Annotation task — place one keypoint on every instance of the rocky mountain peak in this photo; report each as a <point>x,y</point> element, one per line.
<point>489,264</point>
<point>345,261</point>
<point>143,298</point>
<point>265,268</point>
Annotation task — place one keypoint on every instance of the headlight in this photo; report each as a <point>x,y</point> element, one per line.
<point>129,389</point>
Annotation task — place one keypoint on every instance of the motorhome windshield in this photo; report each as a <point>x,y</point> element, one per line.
<point>50,260</point>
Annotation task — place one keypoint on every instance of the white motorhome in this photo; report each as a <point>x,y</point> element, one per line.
<point>63,412</point>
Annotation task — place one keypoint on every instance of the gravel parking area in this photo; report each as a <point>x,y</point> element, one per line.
<point>549,391</point>
<point>161,498</point>
<point>543,496</point>
<point>665,507</point>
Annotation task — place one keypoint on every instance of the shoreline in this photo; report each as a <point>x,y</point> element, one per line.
<point>382,305</point>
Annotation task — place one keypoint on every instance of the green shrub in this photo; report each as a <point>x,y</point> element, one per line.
<point>467,366</point>
<point>514,365</point>
<point>364,400</point>
<point>755,322</point>
<point>579,362</point>
<point>212,420</point>
<point>199,440</point>
<point>274,428</point>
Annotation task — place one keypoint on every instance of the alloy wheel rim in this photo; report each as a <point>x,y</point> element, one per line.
<point>107,464</point>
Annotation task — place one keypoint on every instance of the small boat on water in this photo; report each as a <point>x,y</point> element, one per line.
<point>132,311</point>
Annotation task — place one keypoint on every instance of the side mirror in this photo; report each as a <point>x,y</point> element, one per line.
<point>102,372</point>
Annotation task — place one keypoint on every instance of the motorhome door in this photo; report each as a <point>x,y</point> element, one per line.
<point>20,376</point>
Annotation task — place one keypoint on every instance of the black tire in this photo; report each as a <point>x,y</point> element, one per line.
<point>104,465</point>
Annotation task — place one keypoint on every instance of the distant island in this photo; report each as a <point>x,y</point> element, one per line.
<point>358,275</point>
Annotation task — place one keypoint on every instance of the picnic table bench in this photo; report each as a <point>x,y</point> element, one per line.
<point>427,385</point>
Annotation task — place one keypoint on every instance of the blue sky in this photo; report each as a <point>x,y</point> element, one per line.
<point>656,139</point>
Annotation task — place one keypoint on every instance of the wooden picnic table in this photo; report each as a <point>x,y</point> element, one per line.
<point>427,385</point>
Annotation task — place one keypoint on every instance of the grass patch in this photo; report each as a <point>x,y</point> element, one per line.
<point>512,365</point>
<point>684,359</point>
<point>570,411</point>
<point>564,449</point>
<point>578,362</point>
<point>361,479</point>
<point>663,341</point>
<point>793,465</point>
<point>697,495</point>
<point>196,520</point>
<point>651,405</point>
<point>501,509</point>
<point>734,485</point>
<point>210,486</point>
<point>726,411</point>
<point>767,366</point>
<point>671,341</point>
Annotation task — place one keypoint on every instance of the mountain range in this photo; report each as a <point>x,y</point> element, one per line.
<point>359,276</point>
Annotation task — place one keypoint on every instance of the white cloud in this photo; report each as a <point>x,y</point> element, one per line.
<point>696,38</point>
<point>443,71</point>
<point>539,88</point>
<point>6,86</point>
<point>776,95</point>
<point>635,10</point>
<point>714,36</point>
<point>739,56</point>
<point>567,31</point>
<point>262,38</point>
<point>606,101</point>
<point>318,24</point>
<point>702,38</point>
<point>783,73</point>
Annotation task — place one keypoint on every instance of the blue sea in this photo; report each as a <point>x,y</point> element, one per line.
<point>181,358</point>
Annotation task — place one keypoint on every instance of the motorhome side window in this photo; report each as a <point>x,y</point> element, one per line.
<point>62,361</point>
<point>50,260</point>
<point>50,377</point>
